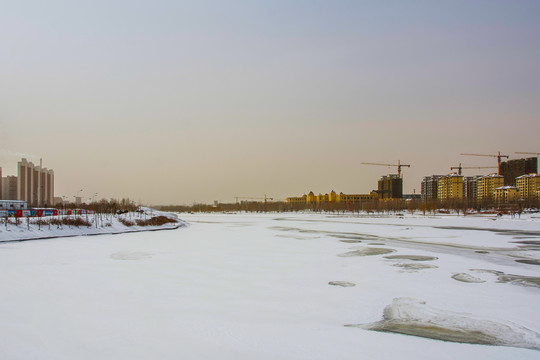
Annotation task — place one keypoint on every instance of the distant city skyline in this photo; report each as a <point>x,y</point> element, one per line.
<point>179,102</point>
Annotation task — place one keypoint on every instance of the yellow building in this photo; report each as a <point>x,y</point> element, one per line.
<point>506,193</point>
<point>356,198</point>
<point>487,185</point>
<point>528,186</point>
<point>297,200</point>
<point>332,197</point>
<point>450,187</point>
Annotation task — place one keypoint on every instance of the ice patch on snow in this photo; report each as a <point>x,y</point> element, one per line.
<point>412,257</point>
<point>529,261</point>
<point>520,280</point>
<point>415,267</point>
<point>467,278</point>
<point>342,283</point>
<point>532,281</point>
<point>367,252</point>
<point>414,317</point>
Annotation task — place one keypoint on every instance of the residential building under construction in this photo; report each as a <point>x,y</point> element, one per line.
<point>390,187</point>
<point>512,169</point>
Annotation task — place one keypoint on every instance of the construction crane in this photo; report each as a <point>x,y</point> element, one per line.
<point>399,166</point>
<point>498,156</point>
<point>528,153</point>
<point>265,198</point>
<point>470,167</point>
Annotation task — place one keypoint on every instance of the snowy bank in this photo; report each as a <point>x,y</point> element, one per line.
<point>30,229</point>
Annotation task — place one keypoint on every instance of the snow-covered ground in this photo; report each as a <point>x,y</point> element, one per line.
<point>278,286</point>
<point>29,229</point>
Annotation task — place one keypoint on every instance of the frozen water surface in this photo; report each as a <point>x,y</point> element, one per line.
<point>256,286</point>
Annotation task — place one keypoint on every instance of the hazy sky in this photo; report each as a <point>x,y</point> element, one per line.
<point>173,102</point>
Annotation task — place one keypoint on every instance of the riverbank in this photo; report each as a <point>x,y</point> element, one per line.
<point>98,224</point>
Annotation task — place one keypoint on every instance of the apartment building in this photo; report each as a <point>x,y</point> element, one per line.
<point>470,187</point>
<point>487,185</point>
<point>429,187</point>
<point>505,194</point>
<point>9,188</point>
<point>450,187</point>
<point>35,184</point>
<point>528,186</point>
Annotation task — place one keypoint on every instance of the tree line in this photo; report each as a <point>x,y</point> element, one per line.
<point>459,206</point>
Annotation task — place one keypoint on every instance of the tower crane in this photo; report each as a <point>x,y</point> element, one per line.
<point>528,153</point>
<point>498,156</point>
<point>399,165</point>
<point>459,168</point>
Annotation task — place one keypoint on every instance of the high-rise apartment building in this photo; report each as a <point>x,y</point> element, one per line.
<point>470,187</point>
<point>450,187</point>
<point>390,187</point>
<point>9,188</point>
<point>429,187</point>
<point>512,169</point>
<point>35,184</point>
<point>528,186</point>
<point>487,185</point>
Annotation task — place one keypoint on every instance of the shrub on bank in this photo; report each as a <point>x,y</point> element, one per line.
<point>78,221</point>
<point>126,222</point>
<point>155,221</point>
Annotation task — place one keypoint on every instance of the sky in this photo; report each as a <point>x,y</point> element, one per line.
<point>175,102</point>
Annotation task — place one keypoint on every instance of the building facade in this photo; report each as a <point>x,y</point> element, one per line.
<point>470,187</point>
<point>512,169</point>
<point>429,187</point>
<point>506,194</point>
<point>9,188</point>
<point>487,185</point>
<point>450,187</point>
<point>390,187</point>
<point>35,184</point>
<point>528,186</point>
<point>332,197</point>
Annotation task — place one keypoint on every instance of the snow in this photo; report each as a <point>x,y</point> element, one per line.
<point>274,286</point>
<point>108,224</point>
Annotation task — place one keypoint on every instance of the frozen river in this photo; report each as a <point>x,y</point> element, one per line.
<point>278,286</point>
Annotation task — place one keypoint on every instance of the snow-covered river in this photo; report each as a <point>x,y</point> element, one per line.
<point>278,286</point>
